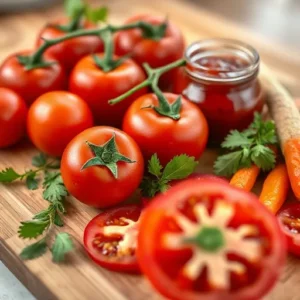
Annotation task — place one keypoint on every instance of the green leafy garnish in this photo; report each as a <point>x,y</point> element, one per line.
<point>39,160</point>
<point>248,147</point>
<point>9,175</point>
<point>159,178</point>
<point>54,188</point>
<point>62,245</point>
<point>35,250</point>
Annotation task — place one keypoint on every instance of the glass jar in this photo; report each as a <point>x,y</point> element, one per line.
<point>221,78</point>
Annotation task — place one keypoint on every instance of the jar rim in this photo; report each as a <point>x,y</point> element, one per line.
<point>231,46</point>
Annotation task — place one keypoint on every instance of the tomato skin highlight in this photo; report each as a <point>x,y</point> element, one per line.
<point>124,264</point>
<point>31,84</point>
<point>13,113</point>
<point>155,53</point>
<point>96,186</point>
<point>290,213</point>
<point>55,118</point>
<point>152,227</point>
<point>69,52</point>
<point>162,135</point>
<point>97,87</point>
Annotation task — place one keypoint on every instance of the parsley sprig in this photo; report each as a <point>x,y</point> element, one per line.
<point>158,179</point>
<point>54,192</point>
<point>247,147</point>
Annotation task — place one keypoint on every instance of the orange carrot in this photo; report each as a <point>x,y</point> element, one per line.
<point>275,188</point>
<point>245,178</point>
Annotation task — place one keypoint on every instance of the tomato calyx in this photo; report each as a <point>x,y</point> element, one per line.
<point>164,108</point>
<point>106,155</point>
<point>155,33</point>
<point>29,64</point>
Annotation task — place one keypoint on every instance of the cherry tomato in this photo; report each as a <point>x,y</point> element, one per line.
<point>110,238</point>
<point>13,113</point>
<point>69,52</point>
<point>96,87</point>
<point>99,185</point>
<point>162,135</point>
<point>31,84</point>
<point>210,241</point>
<point>55,118</point>
<point>289,219</point>
<point>155,53</point>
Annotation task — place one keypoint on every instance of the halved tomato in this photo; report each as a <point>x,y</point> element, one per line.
<point>110,238</point>
<point>289,219</point>
<point>207,240</point>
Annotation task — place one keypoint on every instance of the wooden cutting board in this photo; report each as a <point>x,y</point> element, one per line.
<point>79,278</point>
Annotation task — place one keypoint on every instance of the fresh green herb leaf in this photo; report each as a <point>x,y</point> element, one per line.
<point>228,164</point>
<point>39,160</point>
<point>54,188</point>
<point>263,157</point>
<point>43,215</point>
<point>179,167</point>
<point>57,220</point>
<point>34,250</point>
<point>154,166</point>
<point>236,139</point>
<point>31,182</point>
<point>62,245</point>
<point>74,8</point>
<point>150,187</point>
<point>33,228</point>
<point>97,14</point>
<point>9,175</point>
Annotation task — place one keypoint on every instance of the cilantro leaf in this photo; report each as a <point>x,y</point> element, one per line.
<point>149,187</point>
<point>33,228</point>
<point>34,250</point>
<point>57,220</point>
<point>74,8</point>
<point>263,157</point>
<point>39,160</point>
<point>179,167</point>
<point>154,166</point>
<point>97,14</point>
<point>228,164</point>
<point>62,245</point>
<point>236,139</point>
<point>43,215</point>
<point>54,188</point>
<point>9,175</point>
<point>31,182</point>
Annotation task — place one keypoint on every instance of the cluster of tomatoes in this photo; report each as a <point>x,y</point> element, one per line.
<point>216,242</point>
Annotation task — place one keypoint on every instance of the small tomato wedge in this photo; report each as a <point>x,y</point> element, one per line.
<point>110,238</point>
<point>289,219</point>
<point>210,241</point>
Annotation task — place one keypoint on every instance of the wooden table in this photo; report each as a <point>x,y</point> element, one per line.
<point>79,278</point>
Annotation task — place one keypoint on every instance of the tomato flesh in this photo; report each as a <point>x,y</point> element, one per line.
<point>108,250</point>
<point>210,241</point>
<point>289,219</point>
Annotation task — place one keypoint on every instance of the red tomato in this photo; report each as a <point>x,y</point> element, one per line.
<point>55,118</point>
<point>110,238</point>
<point>31,84</point>
<point>69,52</point>
<point>210,241</point>
<point>13,113</point>
<point>155,53</point>
<point>162,135</point>
<point>96,185</point>
<point>289,219</point>
<point>97,87</point>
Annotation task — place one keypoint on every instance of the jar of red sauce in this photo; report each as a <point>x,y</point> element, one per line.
<point>221,78</point>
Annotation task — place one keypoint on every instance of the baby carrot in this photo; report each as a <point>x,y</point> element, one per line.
<point>245,178</point>
<point>275,188</point>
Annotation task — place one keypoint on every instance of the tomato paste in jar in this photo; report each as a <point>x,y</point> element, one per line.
<point>221,78</point>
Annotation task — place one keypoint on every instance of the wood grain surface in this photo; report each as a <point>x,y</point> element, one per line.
<point>79,278</point>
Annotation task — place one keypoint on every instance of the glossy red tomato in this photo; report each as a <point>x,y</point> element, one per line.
<point>13,113</point>
<point>289,219</point>
<point>31,84</point>
<point>116,170</point>
<point>55,118</point>
<point>210,241</point>
<point>155,52</point>
<point>110,238</point>
<point>162,135</point>
<point>69,52</point>
<point>96,87</point>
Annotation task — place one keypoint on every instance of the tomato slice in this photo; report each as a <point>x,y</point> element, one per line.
<point>289,219</point>
<point>210,241</point>
<point>110,238</point>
